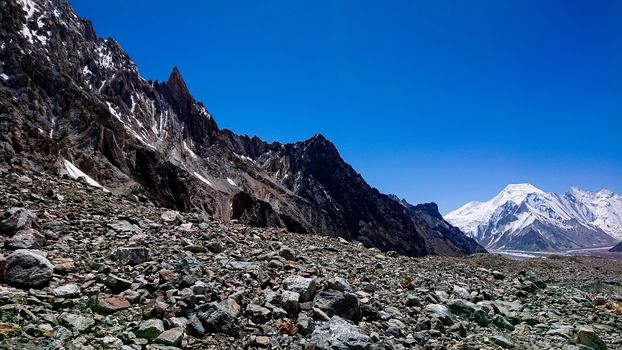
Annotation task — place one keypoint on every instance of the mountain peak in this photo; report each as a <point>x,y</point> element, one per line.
<point>522,187</point>
<point>176,79</point>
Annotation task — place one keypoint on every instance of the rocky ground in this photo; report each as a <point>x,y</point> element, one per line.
<point>85,269</point>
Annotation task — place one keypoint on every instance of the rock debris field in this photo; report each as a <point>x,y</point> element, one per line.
<point>81,268</point>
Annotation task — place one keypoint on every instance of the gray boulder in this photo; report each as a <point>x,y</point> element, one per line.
<point>219,318</point>
<point>586,336</point>
<point>150,329</point>
<point>304,286</point>
<point>332,302</point>
<point>17,219</point>
<point>338,334</point>
<point>135,255</point>
<point>25,239</point>
<point>27,269</point>
<point>439,311</point>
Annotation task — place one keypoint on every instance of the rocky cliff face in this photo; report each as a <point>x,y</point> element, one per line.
<point>73,102</point>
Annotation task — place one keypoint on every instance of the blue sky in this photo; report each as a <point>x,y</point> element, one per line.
<point>444,101</point>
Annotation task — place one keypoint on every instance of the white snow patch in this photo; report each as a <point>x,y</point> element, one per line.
<point>133,104</point>
<point>28,6</point>
<point>76,173</point>
<point>104,58</point>
<point>52,128</point>
<point>198,176</point>
<point>26,33</point>
<point>114,112</point>
<point>231,182</point>
<point>189,150</point>
<point>4,76</point>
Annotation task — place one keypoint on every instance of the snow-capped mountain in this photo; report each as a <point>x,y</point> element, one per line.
<point>523,217</point>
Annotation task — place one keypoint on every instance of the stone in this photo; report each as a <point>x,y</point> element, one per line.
<point>586,336</point>
<point>458,328</point>
<point>411,300</point>
<point>339,284</point>
<point>9,330</point>
<point>116,283</point>
<point>64,267</point>
<point>195,327</point>
<point>498,275</point>
<point>344,305</point>
<point>195,248</point>
<point>534,278</point>
<point>258,313</point>
<point>108,304</point>
<point>338,334</point>
<point>27,269</point>
<point>509,310</point>
<point>393,254</point>
<point>369,287</point>
<point>25,239</point>
<point>150,329</point>
<point>305,324</point>
<point>172,337</point>
<point>134,255</point>
<point>66,291</point>
<point>171,217</point>
<point>215,247</point>
<point>110,342</point>
<point>461,292</point>
<point>502,341</point>
<point>123,226</point>
<point>76,323</point>
<point>501,323</point>
<point>287,253</point>
<point>262,341</point>
<point>289,301</point>
<point>219,319</point>
<point>481,317</point>
<point>441,312</point>
<point>394,328</point>
<point>17,219</point>
<point>301,285</point>
<point>561,331</point>
<point>461,307</point>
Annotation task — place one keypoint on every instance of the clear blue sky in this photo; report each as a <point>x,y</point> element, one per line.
<point>444,101</point>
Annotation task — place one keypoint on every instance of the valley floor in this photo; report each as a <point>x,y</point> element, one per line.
<point>127,275</point>
<point>596,252</point>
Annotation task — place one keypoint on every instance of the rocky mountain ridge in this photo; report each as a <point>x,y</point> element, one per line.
<point>523,217</point>
<point>75,103</point>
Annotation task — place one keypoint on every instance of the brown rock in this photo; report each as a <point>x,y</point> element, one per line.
<point>108,304</point>
<point>9,330</point>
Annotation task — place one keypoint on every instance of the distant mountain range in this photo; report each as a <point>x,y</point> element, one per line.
<point>75,103</point>
<point>523,217</point>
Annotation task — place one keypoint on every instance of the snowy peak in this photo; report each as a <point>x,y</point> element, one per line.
<point>524,217</point>
<point>516,193</point>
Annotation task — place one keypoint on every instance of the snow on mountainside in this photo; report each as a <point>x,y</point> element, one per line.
<point>523,217</point>
<point>604,205</point>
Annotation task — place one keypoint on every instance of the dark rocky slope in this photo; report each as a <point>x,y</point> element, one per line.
<point>70,97</point>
